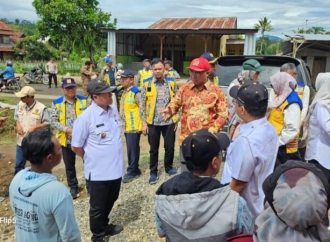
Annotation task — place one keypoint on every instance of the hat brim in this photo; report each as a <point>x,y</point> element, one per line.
<point>127,76</point>
<point>224,141</point>
<point>19,94</point>
<point>69,85</point>
<point>260,69</point>
<point>234,91</point>
<point>194,68</point>
<point>214,60</point>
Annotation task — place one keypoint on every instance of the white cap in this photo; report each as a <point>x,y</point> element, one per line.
<point>26,91</point>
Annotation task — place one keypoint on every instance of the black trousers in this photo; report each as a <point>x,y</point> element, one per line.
<point>50,77</point>
<point>168,133</point>
<point>103,195</point>
<point>283,156</point>
<point>133,153</point>
<point>69,158</point>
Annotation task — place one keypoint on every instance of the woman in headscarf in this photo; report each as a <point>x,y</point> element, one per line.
<point>298,207</point>
<point>284,114</point>
<point>317,123</point>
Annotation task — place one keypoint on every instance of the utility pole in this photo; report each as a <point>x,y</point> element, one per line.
<point>306,26</point>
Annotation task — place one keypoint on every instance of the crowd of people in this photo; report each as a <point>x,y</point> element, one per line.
<point>267,191</point>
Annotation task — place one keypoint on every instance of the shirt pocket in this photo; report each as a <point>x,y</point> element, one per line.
<point>103,134</point>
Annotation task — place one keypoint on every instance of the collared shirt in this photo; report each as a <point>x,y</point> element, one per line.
<point>205,108</point>
<point>318,140</point>
<point>163,99</point>
<point>70,117</point>
<point>45,114</point>
<point>98,132</point>
<point>251,158</point>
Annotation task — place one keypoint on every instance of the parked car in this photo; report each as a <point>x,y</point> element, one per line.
<point>228,68</point>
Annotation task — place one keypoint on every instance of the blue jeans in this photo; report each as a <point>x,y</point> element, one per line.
<point>133,153</point>
<point>20,160</point>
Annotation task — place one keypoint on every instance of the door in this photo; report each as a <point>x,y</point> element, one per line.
<point>178,60</point>
<point>318,66</point>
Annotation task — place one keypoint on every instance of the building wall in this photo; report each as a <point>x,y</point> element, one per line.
<point>8,56</point>
<point>311,54</point>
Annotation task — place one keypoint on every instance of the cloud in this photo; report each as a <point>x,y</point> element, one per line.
<point>285,15</point>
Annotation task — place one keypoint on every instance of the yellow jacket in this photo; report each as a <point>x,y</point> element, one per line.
<point>276,118</point>
<point>133,122</point>
<point>80,106</point>
<point>144,74</point>
<point>151,97</point>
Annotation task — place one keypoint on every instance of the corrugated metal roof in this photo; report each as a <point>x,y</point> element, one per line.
<point>4,26</point>
<point>6,49</point>
<point>311,37</point>
<point>195,23</point>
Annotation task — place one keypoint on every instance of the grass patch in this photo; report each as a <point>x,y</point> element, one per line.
<point>7,131</point>
<point>14,101</point>
<point>9,100</point>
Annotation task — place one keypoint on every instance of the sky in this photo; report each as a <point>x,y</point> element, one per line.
<point>285,16</point>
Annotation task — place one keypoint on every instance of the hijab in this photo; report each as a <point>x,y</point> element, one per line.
<point>322,86</point>
<point>283,84</point>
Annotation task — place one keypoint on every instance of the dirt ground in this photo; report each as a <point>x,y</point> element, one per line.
<point>7,165</point>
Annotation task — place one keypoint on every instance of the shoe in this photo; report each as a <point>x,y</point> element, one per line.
<point>128,178</point>
<point>113,229</point>
<point>153,179</point>
<point>74,193</point>
<point>172,172</point>
<point>104,239</point>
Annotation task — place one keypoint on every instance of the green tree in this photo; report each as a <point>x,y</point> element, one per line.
<point>263,25</point>
<point>312,30</point>
<point>74,24</point>
<point>33,48</point>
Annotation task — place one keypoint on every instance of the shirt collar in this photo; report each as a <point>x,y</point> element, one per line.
<point>69,101</point>
<point>206,85</point>
<point>100,110</point>
<point>253,124</point>
<point>29,108</point>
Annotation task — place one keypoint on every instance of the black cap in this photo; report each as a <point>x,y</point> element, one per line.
<point>202,146</point>
<point>127,73</point>
<point>250,94</point>
<point>97,86</point>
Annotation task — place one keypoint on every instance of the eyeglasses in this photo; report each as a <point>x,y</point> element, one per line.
<point>197,73</point>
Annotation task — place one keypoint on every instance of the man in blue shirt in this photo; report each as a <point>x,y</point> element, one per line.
<point>7,73</point>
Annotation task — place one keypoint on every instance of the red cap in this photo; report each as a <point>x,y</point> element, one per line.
<point>199,64</point>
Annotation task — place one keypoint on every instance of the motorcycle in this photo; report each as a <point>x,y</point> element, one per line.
<point>12,84</point>
<point>36,75</point>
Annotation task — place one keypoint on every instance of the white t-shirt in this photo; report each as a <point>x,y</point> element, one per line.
<point>251,158</point>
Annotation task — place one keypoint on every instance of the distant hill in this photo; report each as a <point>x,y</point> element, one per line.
<point>273,38</point>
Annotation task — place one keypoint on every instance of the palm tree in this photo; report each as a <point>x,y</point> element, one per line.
<point>317,30</point>
<point>263,25</point>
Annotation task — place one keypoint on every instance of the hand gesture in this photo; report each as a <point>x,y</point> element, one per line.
<point>19,129</point>
<point>166,113</point>
<point>2,120</point>
<point>145,130</point>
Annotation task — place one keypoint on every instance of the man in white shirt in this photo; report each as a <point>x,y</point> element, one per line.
<point>96,138</point>
<point>251,156</point>
<point>51,68</point>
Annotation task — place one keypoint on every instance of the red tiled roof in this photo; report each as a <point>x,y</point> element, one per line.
<point>6,49</point>
<point>4,26</point>
<point>14,39</point>
<point>195,23</point>
<point>6,32</point>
